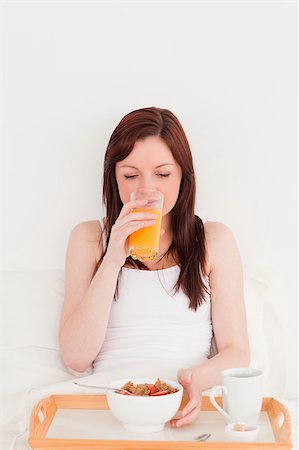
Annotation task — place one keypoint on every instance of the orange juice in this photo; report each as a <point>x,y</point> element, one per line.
<point>144,243</point>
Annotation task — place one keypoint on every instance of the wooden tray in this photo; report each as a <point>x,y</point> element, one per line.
<point>44,412</point>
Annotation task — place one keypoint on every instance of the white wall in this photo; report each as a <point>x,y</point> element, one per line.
<point>227,70</point>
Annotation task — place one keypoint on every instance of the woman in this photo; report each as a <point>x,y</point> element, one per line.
<point>119,309</point>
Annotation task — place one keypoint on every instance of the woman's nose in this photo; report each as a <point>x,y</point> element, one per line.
<point>147,181</point>
<point>147,185</point>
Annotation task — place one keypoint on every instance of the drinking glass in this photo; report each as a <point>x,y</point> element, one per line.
<point>144,243</point>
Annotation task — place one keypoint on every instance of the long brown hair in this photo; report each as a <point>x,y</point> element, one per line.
<point>188,246</point>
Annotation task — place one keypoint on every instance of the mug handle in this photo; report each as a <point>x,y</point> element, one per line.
<point>215,404</point>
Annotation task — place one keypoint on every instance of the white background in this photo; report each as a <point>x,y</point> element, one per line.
<point>228,70</point>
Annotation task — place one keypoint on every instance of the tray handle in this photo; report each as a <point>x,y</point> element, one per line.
<point>281,421</point>
<point>41,417</point>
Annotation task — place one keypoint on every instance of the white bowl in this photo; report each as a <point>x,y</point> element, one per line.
<point>144,414</point>
<point>241,436</point>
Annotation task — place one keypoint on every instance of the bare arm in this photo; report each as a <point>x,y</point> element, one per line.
<point>228,309</point>
<point>87,301</point>
<point>228,318</point>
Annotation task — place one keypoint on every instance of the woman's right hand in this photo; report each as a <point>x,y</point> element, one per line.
<point>126,223</point>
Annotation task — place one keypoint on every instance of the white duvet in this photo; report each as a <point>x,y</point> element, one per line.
<point>14,432</point>
<point>31,367</point>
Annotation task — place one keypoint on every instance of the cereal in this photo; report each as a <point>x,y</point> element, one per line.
<point>147,389</point>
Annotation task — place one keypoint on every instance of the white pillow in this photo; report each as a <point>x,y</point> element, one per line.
<point>265,330</point>
<point>31,304</point>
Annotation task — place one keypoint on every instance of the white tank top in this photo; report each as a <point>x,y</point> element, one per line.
<point>148,321</point>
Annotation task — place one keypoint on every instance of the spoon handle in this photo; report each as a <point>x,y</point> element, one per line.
<point>103,387</point>
<point>99,387</point>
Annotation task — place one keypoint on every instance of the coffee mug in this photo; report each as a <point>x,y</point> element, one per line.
<point>242,397</point>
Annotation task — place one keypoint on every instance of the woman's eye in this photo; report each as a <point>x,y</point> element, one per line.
<point>130,176</point>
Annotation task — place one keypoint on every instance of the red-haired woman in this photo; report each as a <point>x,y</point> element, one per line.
<point>119,309</point>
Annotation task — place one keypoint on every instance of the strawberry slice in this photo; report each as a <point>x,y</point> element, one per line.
<point>152,390</point>
<point>160,393</point>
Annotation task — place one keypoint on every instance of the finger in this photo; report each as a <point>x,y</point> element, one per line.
<point>193,415</point>
<point>136,216</point>
<point>128,228</point>
<point>193,403</point>
<point>194,396</point>
<point>130,205</point>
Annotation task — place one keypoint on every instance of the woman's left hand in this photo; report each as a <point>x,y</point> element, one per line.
<point>193,394</point>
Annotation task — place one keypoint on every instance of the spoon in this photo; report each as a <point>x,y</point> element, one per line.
<point>203,437</point>
<point>122,391</point>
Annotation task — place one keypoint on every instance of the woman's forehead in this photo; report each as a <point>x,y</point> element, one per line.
<point>152,150</point>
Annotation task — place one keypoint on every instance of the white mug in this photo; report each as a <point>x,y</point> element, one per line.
<point>242,395</point>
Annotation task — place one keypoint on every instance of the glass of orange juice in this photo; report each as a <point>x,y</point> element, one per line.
<point>144,243</point>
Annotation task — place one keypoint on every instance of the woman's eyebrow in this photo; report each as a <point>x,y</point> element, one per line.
<point>157,167</point>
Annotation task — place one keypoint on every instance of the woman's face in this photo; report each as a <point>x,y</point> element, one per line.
<point>150,165</point>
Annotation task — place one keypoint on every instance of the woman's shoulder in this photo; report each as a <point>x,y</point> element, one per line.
<point>219,241</point>
<point>216,232</point>
<point>215,228</point>
<point>89,235</point>
<point>90,230</point>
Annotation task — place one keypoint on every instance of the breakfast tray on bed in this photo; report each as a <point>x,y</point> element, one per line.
<point>77,422</point>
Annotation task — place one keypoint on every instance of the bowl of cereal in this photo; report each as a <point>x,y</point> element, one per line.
<point>147,407</point>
